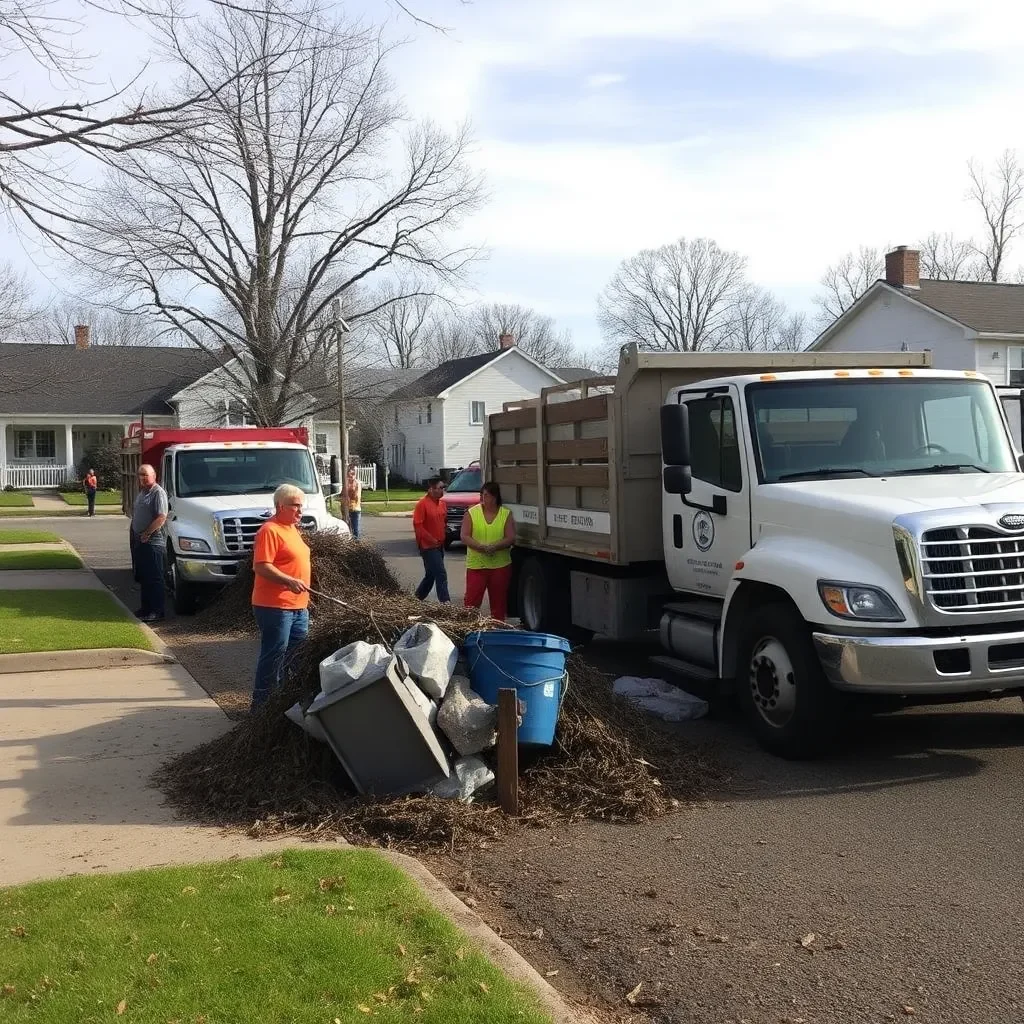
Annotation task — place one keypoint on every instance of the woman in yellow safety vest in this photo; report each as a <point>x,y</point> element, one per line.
<point>488,531</point>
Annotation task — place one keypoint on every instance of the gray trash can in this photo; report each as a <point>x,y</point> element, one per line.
<point>381,735</point>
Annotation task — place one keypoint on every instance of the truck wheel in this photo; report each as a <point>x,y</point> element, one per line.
<point>544,600</point>
<point>784,694</point>
<point>183,592</point>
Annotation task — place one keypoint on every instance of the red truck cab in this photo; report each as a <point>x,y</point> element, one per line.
<point>460,495</point>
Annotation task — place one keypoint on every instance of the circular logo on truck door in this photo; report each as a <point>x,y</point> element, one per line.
<point>703,530</point>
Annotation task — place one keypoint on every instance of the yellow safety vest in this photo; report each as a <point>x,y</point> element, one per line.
<point>487,533</point>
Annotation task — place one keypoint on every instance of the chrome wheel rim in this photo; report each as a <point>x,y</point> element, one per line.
<point>772,681</point>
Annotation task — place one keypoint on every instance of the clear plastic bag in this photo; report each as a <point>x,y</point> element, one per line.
<point>469,722</point>
<point>349,664</point>
<point>430,655</point>
<point>468,775</point>
<point>663,699</point>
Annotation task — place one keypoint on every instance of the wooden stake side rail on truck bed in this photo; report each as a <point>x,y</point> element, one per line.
<point>580,466</point>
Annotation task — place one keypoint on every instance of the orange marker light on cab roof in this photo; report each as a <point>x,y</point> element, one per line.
<point>768,376</point>
<point>905,373</point>
<point>842,373</point>
<point>875,373</point>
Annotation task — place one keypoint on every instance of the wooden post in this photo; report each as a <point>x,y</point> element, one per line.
<point>508,751</point>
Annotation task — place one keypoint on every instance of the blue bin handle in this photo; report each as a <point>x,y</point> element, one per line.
<point>563,678</point>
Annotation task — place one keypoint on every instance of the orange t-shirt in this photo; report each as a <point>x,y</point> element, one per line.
<point>428,522</point>
<point>283,547</point>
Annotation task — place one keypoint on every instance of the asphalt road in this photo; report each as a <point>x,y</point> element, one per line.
<point>882,883</point>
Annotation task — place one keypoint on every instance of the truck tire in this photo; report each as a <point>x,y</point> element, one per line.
<point>544,602</point>
<point>781,688</point>
<point>184,594</point>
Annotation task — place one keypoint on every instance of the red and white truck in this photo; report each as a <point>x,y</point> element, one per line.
<point>220,485</point>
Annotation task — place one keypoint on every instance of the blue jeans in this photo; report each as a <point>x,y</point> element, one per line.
<point>90,497</point>
<point>353,521</point>
<point>281,631</point>
<point>149,569</point>
<point>435,574</point>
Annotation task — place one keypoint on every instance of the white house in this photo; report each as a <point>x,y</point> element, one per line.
<point>437,421</point>
<point>967,325</point>
<point>58,401</point>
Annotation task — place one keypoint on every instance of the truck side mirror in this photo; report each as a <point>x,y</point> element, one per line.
<point>677,479</point>
<point>675,447</point>
<point>335,475</point>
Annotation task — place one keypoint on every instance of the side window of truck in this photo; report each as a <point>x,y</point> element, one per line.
<point>954,424</point>
<point>714,446</point>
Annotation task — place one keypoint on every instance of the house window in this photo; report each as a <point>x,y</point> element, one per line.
<point>1015,364</point>
<point>234,413</point>
<point>429,412</point>
<point>419,415</point>
<point>320,442</point>
<point>396,415</point>
<point>35,444</point>
<point>423,456</point>
<point>477,411</point>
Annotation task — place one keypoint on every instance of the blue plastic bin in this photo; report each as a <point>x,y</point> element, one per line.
<point>533,663</point>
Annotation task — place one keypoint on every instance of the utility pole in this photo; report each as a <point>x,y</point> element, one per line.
<point>341,328</point>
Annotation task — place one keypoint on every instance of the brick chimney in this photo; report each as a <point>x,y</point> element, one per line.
<point>903,267</point>
<point>506,341</point>
<point>81,335</point>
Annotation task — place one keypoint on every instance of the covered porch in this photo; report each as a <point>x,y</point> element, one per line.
<point>39,453</point>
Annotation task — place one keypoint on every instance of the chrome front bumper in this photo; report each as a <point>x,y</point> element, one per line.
<point>908,665</point>
<point>207,570</point>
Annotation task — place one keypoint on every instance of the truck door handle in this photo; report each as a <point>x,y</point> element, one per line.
<point>719,504</point>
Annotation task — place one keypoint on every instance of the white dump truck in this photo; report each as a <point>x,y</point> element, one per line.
<point>220,486</point>
<point>798,526</point>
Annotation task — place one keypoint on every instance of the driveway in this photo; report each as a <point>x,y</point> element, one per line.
<point>883,883</point>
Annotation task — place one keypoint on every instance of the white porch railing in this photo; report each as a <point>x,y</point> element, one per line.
<point>367,477</point>
<point>24,475</point>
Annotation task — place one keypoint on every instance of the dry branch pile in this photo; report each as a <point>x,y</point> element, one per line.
<point>265,775</point>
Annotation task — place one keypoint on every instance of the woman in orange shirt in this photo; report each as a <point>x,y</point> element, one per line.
<point>280,590</point>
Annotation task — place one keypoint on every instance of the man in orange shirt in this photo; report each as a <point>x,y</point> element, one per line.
<point>428,523</point>
<point>280,589</point>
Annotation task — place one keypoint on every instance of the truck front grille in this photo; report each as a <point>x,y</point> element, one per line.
<point>454,518</point>
<point>969,568</point>
<point>239,532</point>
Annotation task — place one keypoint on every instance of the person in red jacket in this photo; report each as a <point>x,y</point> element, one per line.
<point>428,522</point>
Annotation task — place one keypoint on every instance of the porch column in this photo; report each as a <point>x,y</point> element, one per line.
<point>69,450</point>
<point>3,454</point>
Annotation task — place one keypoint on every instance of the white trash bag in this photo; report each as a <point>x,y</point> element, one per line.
<point>360,660</point>
<point>660,698</point>
<point>430,655</point>
<point>467,719</point>
<point>468,775</point>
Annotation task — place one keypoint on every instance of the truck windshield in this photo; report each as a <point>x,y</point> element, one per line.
<point>248,471</point>
<point>465,481</point>
<point>818,429</point>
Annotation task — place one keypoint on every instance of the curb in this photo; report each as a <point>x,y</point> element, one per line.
<point>162,651</point>
<point>475,929</point>
<point>95,657</point>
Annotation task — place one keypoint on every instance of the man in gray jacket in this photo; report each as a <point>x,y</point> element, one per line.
<point>149,540</point>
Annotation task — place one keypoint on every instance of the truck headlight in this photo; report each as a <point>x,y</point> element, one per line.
<point>855,601</point>
<point>193,544</point>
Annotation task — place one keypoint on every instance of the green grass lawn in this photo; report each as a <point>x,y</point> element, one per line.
<point>28,537</point>
<point>64,620</point>
<point>39,560</point>
<point>372,497</point>
<point>15,499</point>
<point>15,513</point>
<point>102,497</point>
<point>302,937</point>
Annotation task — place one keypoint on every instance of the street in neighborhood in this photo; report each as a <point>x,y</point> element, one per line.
<point>879,883</point>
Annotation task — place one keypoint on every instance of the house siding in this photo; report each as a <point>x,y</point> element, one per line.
<point>422,441</point>
<point>888,322</point>
<point>510,379</point>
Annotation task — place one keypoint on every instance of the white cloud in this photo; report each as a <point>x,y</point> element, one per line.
<point>603,80</point>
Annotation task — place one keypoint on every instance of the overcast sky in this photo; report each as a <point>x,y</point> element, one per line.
<point>791,131</point>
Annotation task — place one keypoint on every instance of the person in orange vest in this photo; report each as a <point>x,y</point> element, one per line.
<point>89,484</point>
<point>428,522</point>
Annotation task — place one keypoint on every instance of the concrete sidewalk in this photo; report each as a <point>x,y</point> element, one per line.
<point>77,749</point>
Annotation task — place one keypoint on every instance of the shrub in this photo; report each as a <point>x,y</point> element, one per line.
<point>105,459</point>
<point>10,488</point>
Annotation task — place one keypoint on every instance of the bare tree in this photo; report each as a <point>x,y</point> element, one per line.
<point>450,337</point>
<point>679,297</point>
<point>846,281</point>
<point>947,258</point>
<point>1000,197</point>
<point>17,309</point>
<point>791,333</point>
<point>401,329</point>
<point>756,319</point>
<point>55,325</point>
<point>536,334</point>
<point>282,199</point>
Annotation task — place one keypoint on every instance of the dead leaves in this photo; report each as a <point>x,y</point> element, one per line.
<point>189,890</point>
<point>635,998</point>
<point>19,932</point>
<point>808,940</point>
<point>121,1007</point>
<point>330,884</point>
<point>7,990</point>
<point>281,895</point>
<point>151,959</point>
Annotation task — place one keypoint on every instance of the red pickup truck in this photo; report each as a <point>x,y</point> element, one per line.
<point>461,494</point>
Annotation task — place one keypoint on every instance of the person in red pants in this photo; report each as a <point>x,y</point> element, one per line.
<point>489,531</point>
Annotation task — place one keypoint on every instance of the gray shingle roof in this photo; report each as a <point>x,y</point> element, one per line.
<point>115,380</point>
<point>982,305</point>
<point>442,377</point>
<point>571,374</point>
